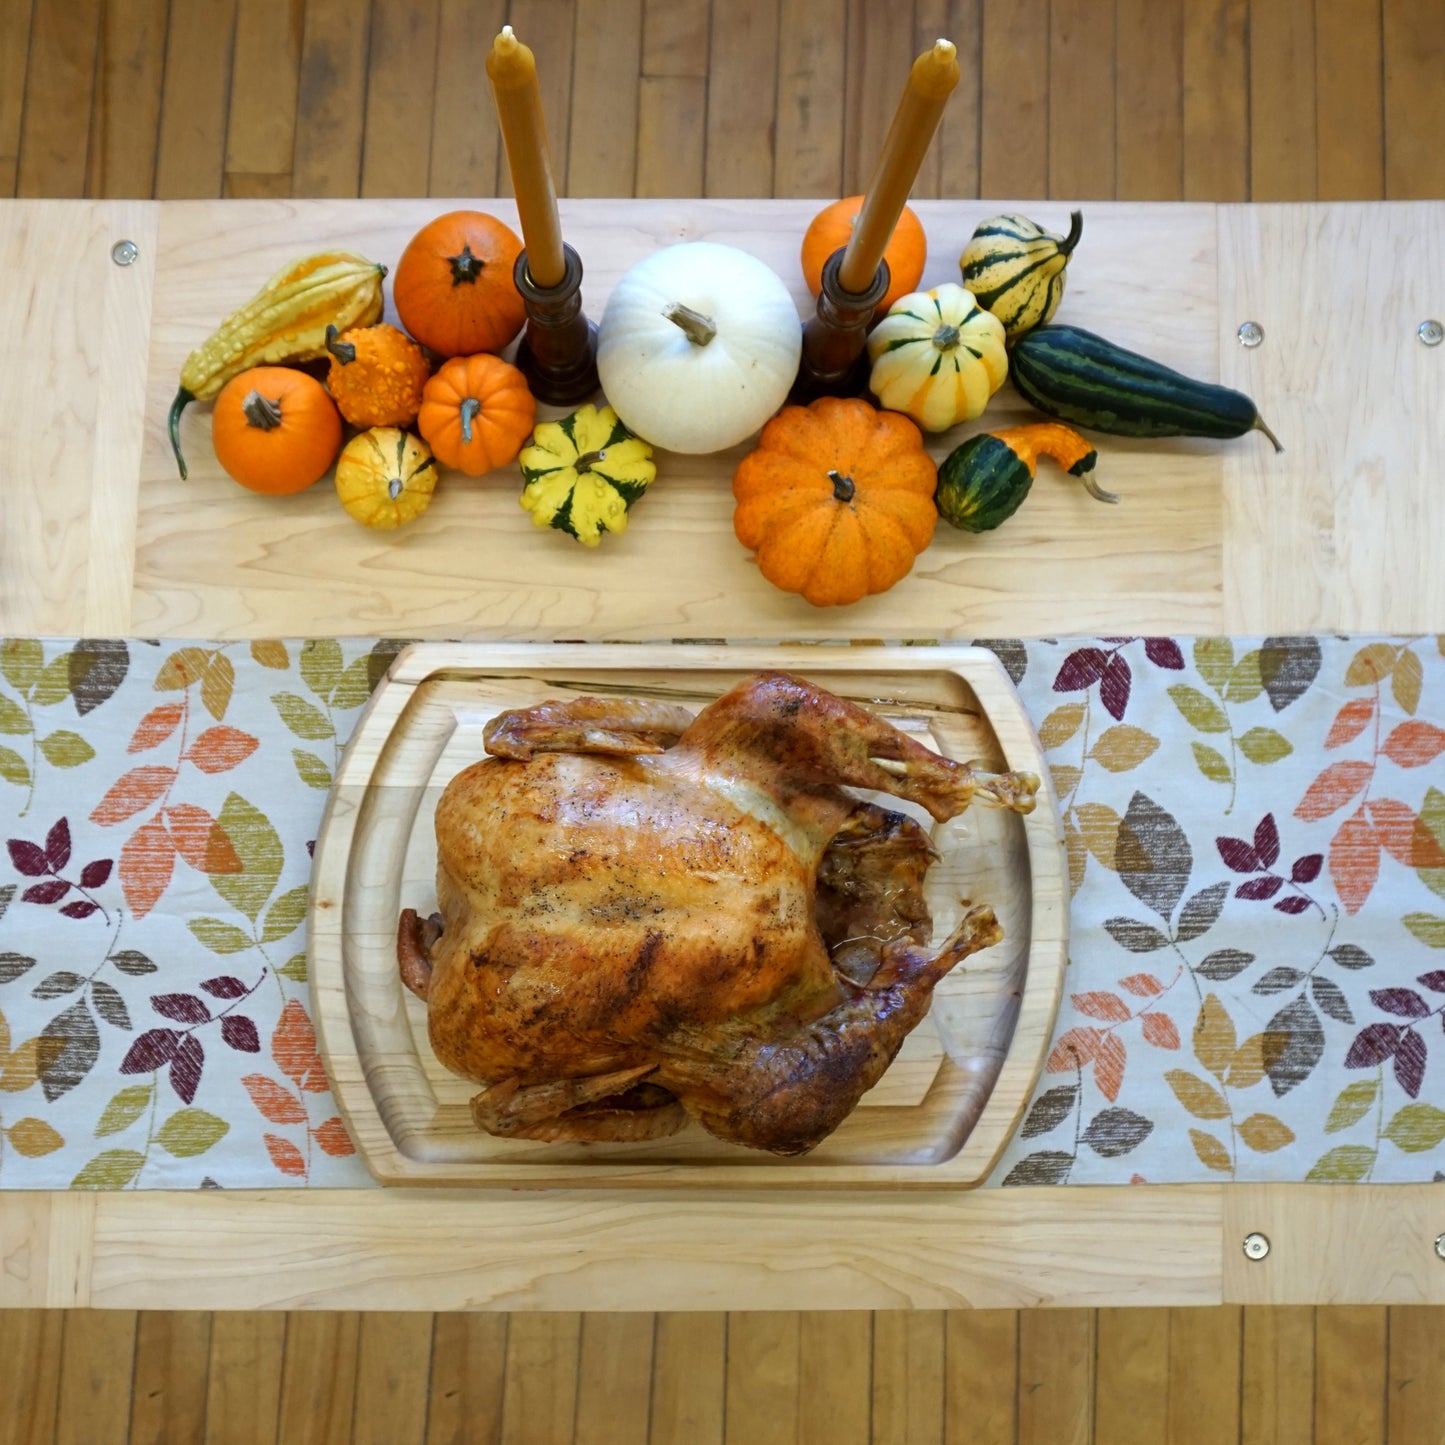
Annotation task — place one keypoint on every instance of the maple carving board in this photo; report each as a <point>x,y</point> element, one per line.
<point>942,1113</point>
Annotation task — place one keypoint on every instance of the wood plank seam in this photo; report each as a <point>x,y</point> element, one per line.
<point>225,103</point>
<point>160,111</point>
<point>24,99</point>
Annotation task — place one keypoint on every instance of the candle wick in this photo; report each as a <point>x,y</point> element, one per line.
<point>509,32</point>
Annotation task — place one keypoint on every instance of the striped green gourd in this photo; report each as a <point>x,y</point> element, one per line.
<point>1015,269</point>
<point>1082,378</point>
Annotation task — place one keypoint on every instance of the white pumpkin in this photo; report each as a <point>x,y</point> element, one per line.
<point>698,346</point>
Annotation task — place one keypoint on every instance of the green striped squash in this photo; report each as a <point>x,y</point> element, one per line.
<point>1015,269</point>
<point>1081,378</point>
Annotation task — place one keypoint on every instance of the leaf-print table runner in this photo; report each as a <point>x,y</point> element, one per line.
<point>1256,838</point>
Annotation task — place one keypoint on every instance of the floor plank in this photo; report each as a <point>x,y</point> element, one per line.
<point>97,1365</point>
<point>465,139</point>
<point>261,122</point>
<point>1081,62</point>
<point>1215,79</point>
<point>1349,100</point>
<point>55,138</point>
<point>1351,1372</point>
<point>548,27</point>
<point>195,103</point>
<point>539,1395</point>
<point>957,142</point>
<point>1282,101</point>
<point>1149,83</point>
<point>836,1378</point>
<point>331,99</point>
<point>468,1361</point>
<point>762,1378</point>
<point>602,149</point>
<point>908,1377</point>
<point>1277,1385</point>
<point>243,1390</point>
<point>393,1368</point>
<point>1204,1365</point>
<point>1014,149</point>
<point>31,1344</point>
<point>1131,1391</point>
<point>396,149</point>
<point>614,1378</point>
<point>879,55</point>
<point>1416,1406</point>
<point>14,57</point>
<point>689,1368</point>
<point>1414,60</point>
<point>675,37</point>
<point>318,1378</point>
<point>671,135</point>
<point>125,110</point>
<point>742,96</point>
<point>1055,1377</point>
<point>980,1404</point>
<point>172,1361</point>
<point>810,99</point>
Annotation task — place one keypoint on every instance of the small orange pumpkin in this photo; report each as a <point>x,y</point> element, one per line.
<point>453,287</point>
<point>832,228</point>
<point>275,430</point>
<point>376,375</point>
<point>837,500</point>
<point>476,413</point>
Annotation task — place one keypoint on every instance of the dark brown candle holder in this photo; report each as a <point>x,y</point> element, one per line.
<point>558,355</point>
<point>835,359</point>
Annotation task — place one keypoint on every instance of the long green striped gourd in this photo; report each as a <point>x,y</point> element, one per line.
<point>1081,378</point>
<point>1015,269</point>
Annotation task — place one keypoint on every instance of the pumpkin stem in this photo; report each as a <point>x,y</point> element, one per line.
<point>698,329</point>
<point>1260,426</point>
<point>261,411</point>
<point>470,408</point>
<point>393,488</point>
<point>1076,229</point>
<point>843,487</point>
<point>466,268</point>
<point>946,337</point>
<point>585,462</point>
<point>343,351</point>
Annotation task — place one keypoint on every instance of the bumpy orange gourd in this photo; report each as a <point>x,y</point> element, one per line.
<point>453,288</point>
<point>833,226</point>
<point>837,500</point>
<point>386,477</point>
<point>275,430</point>
<point>476,413</point>
<point>377,375</point>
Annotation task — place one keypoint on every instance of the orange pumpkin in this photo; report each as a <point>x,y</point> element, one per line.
<point>376,375</point>
<point>476,413</point>
<point>837,500</point>
<point>832,228</point>
<point>275,430</point>
<point>453,288</point>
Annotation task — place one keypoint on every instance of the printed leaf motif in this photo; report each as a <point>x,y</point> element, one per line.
<point>131,793</point>
<point>182,1008</point>
<point>1152,855</point>
<point>156,726</point>
<point>1201,912</point>
<point>1351,956</point>
<point>95,874</point>
<point>200,840</point>
<point>321,665</point>
<point>1351,720</point>
<point>259,850</point>
<point>69,1047</point>
<point>293,1046</point>
<point>312,770</point>
<point>33,1138</point>
<point>1354,862</point>
<point>65,749</point>
<point>1211,1153</point>
<point>221,748</point>
<point>1107,1006</point>
<point>304,718</point>
<point>132,963</point>
<point>1214,1036</point>
<point>14,768</point>
<point>21,1068</point>
<point>29,858</point>
<point>1294,1042</point>
<point>334,1140</point>
<point>53,684</point>
<point>1123,747</point>
<point>1331,1000</point>
<point>1224,964</point>
<point>385,651</point>
<point>1099,827</point>
<point>294,968</point>
<point>1277,980</point>
<point>185,1071</point>
<point>1406,680</point>
<point>1333,789</point>
<point>1212,763</point>
<point>1416,1128</point>
<point>217,684</point>
<point>146,863</point>
<point>1414,743</point>
<point>1264,746</point>
<point>1065,778</point>
<point>7,896</point>
<point>1109,1060</point>
<point>97,667</point>
<point>1075,1048</point>
<point>15,723</point>
<point>1292,904</point>
<point>1354,1102</point>
<point>272,654</point>
<point>1404,1002</point>
<point>113,1169</point>
<point>1077,853</point>
<point>281,1106</point>
<point>285,915</point>
<point>109,1004</point>
<point>1265,1134</point>
<point>1307,868</point>
<point>190,1132</point>
<point>285,1155</point>
<point>1434,980</point>
<point>1201,1099</point>
<point>12,965</point>
<point>239,1033</point>
<point>1344,1164</point>
<point>1288,667</point>
<point>1266,840</point>
<point>181,669</point>
<point>1049,1166</point>
<point>219,936</point>
<point>57,984</point>
<point>1115,1132</point>
<point>1199,711</point>
<point>1144,985</point>
<point>355,685</point>
<point>1246,1069</point>
<point>224,986</point>
<point>1081,670</point>
<point>1159,1030</point>
<point>21,661</point>
<point>153,1050</point>
<point>1214,660</point>
<point>1371,664</point>
<point>1410,1060</point>
<point>1164,652</point>
<point>1245,681</point>
<point>1114,687</point>
<point>124,1109</point>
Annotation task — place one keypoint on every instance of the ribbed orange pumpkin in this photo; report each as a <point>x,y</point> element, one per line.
<point>832,227</point>
<point>476,413</point>
<point>837,500</point>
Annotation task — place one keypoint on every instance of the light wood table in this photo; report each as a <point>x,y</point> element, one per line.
<point>1345,531</point>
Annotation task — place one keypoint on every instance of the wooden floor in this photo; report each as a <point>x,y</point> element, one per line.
<point>1077,99</point>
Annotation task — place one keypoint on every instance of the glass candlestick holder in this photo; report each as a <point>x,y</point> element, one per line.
<point>835,358</point>
<point>558,354</point>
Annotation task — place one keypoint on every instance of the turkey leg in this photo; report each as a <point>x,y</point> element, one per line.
<point>621,726</point>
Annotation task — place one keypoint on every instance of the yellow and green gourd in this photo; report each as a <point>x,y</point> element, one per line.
<point>583,474</point>
<point>1015,270</point>
<point>984,482</point>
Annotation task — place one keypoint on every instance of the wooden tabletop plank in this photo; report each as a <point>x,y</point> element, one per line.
<point>243,1387</point>
<point>191,150</point>
<point>331,99</point>
<point>318,1378</point>
<point>1415,1410</point>
<point>981,1376</point>
<point>392,1361</point>
<point>762,1378</point>
<point>1277,1376</point>
<point>880,52</point>
<point>539,1405</point>
<point>909,1373</point>
<point>1351,1371</point>
<point>613,1370</point>
<point>95,1378</point>
<point>1203,1376</point>
<point>32,1344</point>
<point>1131,1386</point>
<point>836,1365</point>
<point>671,135</point>
<point>1056,1377</point>
<point>689,1373</point>
<point>469,1354</point>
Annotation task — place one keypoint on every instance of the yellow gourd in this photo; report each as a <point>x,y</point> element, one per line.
<point>385,477</point>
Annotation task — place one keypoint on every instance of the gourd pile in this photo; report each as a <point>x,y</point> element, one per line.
<point>697,350</point>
